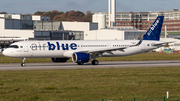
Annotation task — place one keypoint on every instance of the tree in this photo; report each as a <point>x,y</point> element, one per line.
<point>80,14</point>
<point>88,16</point>
<point>60,17</point>
<point>38,13</point>
<point>3,13</point>
<point>67,16</point>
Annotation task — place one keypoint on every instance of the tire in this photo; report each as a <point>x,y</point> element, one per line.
<point>23,64</point>
<point>81,63</point>
<point>95,62</point>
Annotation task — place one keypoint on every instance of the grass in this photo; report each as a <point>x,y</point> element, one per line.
<point>80,84</point>
<point>122,83</point>
<point>4,59</point>
<point>143,56</point>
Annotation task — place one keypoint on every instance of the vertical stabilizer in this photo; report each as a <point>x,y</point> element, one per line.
<point>154,31</point>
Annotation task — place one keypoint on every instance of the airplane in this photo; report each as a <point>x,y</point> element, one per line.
<point>81,51</point>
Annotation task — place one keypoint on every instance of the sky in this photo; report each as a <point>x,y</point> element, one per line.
<point>32,6</point>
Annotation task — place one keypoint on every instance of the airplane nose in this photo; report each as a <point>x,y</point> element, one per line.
<point>4,53</point>
<point>8,53</point>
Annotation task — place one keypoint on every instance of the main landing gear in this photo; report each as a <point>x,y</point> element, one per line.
<point>23,62</point>
<point>94,62</point>
<point>80,63</point>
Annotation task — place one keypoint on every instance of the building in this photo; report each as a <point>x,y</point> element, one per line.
<point>29,27</point>
<point>16,27</point>
<point>143,20</point>
<point>62,30</point>
<point>115,33</point>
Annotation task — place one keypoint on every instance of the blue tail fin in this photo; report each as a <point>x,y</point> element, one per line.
<point>154,31</point>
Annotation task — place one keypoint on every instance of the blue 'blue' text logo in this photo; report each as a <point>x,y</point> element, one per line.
<point>66,46</point>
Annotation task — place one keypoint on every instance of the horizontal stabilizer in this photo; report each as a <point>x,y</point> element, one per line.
<point>162,44</point>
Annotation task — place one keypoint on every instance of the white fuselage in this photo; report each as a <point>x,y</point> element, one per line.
<point>60,49</point>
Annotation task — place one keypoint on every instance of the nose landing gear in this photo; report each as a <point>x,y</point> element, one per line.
<point>23,62</point>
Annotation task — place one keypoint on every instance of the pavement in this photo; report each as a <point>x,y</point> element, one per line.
<point>107,64</point>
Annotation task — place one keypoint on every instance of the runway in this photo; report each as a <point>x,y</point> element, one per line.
<point>108,64</point>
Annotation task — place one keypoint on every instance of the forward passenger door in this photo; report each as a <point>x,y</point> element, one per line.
<point>26,49</point>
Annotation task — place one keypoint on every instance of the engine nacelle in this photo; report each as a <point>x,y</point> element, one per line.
<point>59,60</point>
<point>80,57</point>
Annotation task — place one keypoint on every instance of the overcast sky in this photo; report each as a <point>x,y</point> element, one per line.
<point>31,6</point>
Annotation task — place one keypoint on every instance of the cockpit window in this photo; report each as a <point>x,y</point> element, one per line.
<point>14,46</point>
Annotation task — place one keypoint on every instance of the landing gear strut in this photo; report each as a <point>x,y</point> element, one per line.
<point>23,62</point>
<point>95,62</point>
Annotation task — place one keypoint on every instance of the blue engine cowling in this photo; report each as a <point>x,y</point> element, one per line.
<point>80,57</point>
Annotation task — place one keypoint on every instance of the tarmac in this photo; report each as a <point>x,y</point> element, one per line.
<point>107,64</point>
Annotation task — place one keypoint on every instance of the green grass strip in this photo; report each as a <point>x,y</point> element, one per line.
<point>90,84</point>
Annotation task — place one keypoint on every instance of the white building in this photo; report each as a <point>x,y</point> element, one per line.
<point>114,34</point>
<point>23,27</point>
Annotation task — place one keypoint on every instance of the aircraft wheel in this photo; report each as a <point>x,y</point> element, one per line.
<point>23,64</point>
<point>80,63</point>
<point>95,62</point>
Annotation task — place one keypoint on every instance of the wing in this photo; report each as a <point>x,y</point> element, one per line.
<point>103,50</point>
<point>111,49</point>
<point>97,52</point>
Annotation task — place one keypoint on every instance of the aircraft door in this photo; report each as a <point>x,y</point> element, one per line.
<point>26,47</point>
<point>108,45</point>
<point>143,46</point>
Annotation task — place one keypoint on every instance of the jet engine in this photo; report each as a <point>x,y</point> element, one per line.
<point>59,60</point>
<point>80,57</point>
